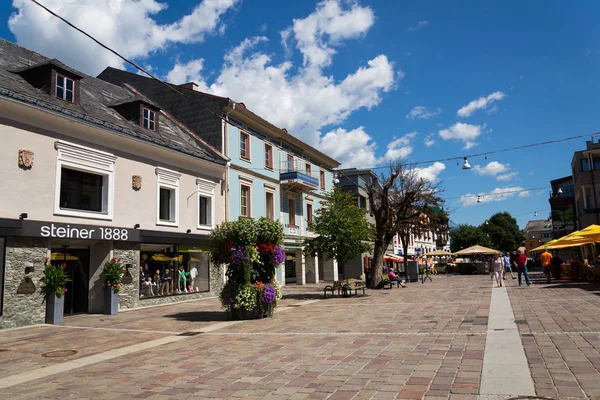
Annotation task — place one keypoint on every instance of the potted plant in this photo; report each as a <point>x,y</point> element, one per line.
<point>113,275</point>
<point>54,284</point>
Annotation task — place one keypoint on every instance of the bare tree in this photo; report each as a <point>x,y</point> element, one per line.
<point>397,199</point>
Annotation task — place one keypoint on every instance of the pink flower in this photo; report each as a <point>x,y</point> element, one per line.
<point>65,290</point>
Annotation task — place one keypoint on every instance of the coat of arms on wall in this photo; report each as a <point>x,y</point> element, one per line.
<point>25,159</point>
<point>26,287</point>
<point>136,182</point>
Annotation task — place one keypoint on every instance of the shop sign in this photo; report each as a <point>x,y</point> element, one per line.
<point>56,230</point>
<point>26,286</point>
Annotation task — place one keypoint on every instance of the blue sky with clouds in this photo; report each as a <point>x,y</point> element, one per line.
<point>369,81</point>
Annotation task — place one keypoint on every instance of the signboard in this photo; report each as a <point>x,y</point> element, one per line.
<point>400,252</point>
<point>55,230</point>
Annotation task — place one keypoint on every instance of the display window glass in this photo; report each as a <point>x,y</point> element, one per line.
<point>170,270</point>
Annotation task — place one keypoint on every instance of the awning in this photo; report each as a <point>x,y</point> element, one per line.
<point>474,250</point>
<point>440,253</point>
<point>393,258</point>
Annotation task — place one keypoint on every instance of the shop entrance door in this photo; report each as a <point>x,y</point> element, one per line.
<point>290,267</point>
<point>77,262</point>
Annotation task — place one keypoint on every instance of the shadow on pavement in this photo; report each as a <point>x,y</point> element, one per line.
<point>199,316</point>
<point>302,296</point>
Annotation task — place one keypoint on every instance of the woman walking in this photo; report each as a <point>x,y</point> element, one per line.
<point>498,267</point>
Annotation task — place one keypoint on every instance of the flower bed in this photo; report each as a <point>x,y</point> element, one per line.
<point>252,251</point>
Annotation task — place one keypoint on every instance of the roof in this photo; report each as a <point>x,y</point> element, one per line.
<point>539,225</point>
<point>94,105</point>
<point>201,111</point>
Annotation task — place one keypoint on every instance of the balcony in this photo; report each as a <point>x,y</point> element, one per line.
<point>293,176</point>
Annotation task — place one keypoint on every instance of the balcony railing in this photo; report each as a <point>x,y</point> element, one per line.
<point>294,175</point>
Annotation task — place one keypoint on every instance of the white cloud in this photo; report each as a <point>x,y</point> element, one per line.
<point>356,148</point>
<point>479,104</point>
<point>498,194</point>
<point>326,27</point>
<point>492,110</point>
<point>466,133</point>
<point>429,141</point>
<point>507,177</point>
<point>419,25</point>
<point>399,148</point>
<point>492,169</point>
<point>187,72</point>
<point>420,112</point>
<point>128,26</point>
<point>432,172</point>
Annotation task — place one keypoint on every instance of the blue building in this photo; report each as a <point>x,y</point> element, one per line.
<point>270,172</point>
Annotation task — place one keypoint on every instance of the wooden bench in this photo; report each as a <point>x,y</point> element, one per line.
<point>345,288</point>
<point>387,282</point>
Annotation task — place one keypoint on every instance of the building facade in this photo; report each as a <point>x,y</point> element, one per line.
<point>93,171</point>
<point>356,182</point>
<point>271,173</point>
<point>538,232</point>
<point>585,167</point>
<point>562,207</point>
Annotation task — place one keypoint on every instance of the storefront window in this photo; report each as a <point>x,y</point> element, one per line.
<point>2,276</point>
<point>167,270</point>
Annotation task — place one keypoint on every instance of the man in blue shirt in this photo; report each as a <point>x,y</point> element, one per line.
<point>507,267</point>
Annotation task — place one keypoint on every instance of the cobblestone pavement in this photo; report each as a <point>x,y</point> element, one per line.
<point>560,329</point>
<point>424,341</point>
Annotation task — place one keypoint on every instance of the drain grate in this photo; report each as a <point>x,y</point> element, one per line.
<point>520,321</point>
<point>527,334</point>
<point>59,353</point>
<point>190,334</point>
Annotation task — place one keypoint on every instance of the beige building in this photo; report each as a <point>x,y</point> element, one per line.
<point>586,180</point>
<point>91,171</point>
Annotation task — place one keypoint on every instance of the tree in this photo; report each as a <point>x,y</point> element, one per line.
<point>503,231</point>
<point>396,200</point>
<point>342,228</point>
<point>433,220</point>
<point>468,235</point>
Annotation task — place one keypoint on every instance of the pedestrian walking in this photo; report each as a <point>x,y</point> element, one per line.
<point>498,267</point>
<point>545,259</point>
<point>521,261</point>
<point>507,267</point>
<point>427,273</point>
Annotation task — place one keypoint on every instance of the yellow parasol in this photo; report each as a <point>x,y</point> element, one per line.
<point>160,258</point>
<point>180,259</point>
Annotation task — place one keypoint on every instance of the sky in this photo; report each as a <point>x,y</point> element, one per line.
<point>368,82</point>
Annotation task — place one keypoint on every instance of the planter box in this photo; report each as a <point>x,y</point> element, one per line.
<point>111,302</point>
<point>55,308</point>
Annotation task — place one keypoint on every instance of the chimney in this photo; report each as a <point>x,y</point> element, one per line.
<point>189,85</point>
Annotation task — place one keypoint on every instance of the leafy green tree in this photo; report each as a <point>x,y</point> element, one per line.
<point>342,228</point>
<point>468,235</point>
<point>503,231</point>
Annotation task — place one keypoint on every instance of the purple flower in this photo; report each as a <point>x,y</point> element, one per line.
<point>238,255</point>
<point>277,255</point>
<point>269,294</point>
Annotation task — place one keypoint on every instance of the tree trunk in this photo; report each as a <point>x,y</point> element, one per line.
<point>405,251</point>
<point>342,268</point>
<point>378,253</point>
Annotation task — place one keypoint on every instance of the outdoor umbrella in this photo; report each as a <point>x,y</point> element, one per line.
<point>439,253</point>
<point>477,249</point>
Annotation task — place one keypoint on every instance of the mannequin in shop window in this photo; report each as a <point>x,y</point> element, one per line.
<point>156,282</point>
<point>165,282</point>
<point>184,278</point>
<point>192,277</point>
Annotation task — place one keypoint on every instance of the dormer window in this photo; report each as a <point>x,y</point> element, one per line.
<point>65,88</point>
<point>149,119</point>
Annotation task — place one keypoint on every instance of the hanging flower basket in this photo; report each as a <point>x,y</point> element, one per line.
<point>252,251</point>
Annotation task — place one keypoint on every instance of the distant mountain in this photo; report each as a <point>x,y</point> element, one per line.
<point>452,225</point>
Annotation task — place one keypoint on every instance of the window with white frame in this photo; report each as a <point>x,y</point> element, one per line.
<point>84,181</point>
<point>245,201</point>
<point>167,189</point>
<point>244,146</point>
<point>65,88</point>
<point>206,195</point>
<point>149,119</point>
<point>291,212</point>
<point>270,202</point>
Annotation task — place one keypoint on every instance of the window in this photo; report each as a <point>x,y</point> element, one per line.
<point>362,202</point>
<point>160,275</point>
<point>596,160</point>
<point>149,119</point>
<point>245,201</point>
<point>206,194</point>
<point>268,156</point>
<point>308,169</point>
<point>290,162</point>
<point>585,164</point>
<point>309,212</point>
<point>65,88</point>
<point>322,177</point>
<point>84,181</point>
<point>291,213</point>
<point>244,146</point>
<point>269,200</point>
<point>81,190</point>
<point>168,197</point>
